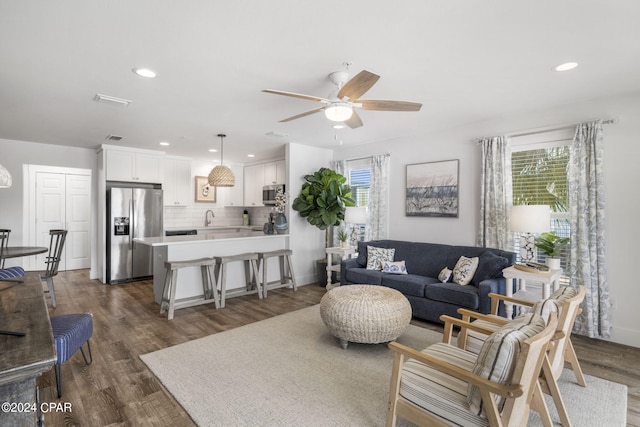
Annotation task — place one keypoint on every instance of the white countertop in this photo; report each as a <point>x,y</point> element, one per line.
<point>208,235</point>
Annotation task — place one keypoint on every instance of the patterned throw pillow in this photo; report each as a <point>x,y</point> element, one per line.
<point>464,270</point>
<point>445,275</point>
<point>499,354</point>
<point>375,256</point>
<point>397,267</point>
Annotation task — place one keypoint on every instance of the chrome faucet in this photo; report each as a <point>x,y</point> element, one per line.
<point>207,219</point>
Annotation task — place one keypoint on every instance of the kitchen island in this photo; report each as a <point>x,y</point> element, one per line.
<point>210,242</point>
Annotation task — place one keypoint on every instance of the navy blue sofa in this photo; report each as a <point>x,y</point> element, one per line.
<point>429,297</point>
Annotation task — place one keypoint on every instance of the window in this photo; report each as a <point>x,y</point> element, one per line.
<point>539,173</point>
<point>359,178</point>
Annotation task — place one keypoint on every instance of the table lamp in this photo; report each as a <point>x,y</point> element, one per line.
<point>355,215</point>
<point>529,219</point>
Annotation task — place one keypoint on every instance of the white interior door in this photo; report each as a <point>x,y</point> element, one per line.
<point>50,210</point>
<point>59,198</point>
<point>77,218</point>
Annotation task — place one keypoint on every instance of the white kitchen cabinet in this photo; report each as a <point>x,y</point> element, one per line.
<point>274,173</point>
<point>177,181</point>
<point>253,183</point>
<point>131,166</point>
<point>233,196</point>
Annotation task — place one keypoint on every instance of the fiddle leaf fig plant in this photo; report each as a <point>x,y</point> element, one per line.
<point>323,198</point>
<point>551,244</point>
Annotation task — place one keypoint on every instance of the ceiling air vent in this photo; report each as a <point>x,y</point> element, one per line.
<point>115,137</point>
<point>111,100</point>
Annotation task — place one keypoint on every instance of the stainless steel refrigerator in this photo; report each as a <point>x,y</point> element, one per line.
<point>133,212</point>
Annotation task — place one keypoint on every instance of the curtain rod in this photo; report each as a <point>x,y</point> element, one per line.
<point>551,129</point>
<point>366,157</point>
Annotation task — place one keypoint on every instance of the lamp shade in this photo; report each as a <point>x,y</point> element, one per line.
<point>5,177</point>
<point>530,218</point>
<point>355,215</point>
<point>338,112</point>
<point>221,176</point>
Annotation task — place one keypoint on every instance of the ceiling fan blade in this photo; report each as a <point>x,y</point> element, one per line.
<point>307,113</point>
<point>297,95</point>
<point>358,85</point>
<point>383,105</point>
<point>354,121</point>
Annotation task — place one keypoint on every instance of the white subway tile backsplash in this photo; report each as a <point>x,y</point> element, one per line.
<point>194,216</point>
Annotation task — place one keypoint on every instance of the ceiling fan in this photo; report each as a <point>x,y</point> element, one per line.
<point>339,106</point>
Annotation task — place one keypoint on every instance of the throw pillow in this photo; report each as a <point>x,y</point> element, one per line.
<point>499,354</point>
<point>397,267</point>
<point>375,256</point>
<point>445,275</point>
<point>464,270</point>
<point>490,266</point>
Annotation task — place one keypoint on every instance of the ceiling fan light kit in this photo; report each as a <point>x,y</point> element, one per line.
<point>340,103</point>
<point>338,111</point>
<point>221,175</point>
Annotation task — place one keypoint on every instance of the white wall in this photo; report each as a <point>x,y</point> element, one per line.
<point>307,241</point>
<point>622,175</point>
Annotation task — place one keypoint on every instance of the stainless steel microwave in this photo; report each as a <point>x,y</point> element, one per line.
<point>269,193</point>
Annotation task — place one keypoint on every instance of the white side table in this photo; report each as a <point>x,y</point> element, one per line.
<point>342,252</point>
<point>548,278</point>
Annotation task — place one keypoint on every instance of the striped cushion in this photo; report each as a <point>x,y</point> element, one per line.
<point>7,273</point>
<point>70,331</point>
<point>440,394</point>
<point>499,354</point>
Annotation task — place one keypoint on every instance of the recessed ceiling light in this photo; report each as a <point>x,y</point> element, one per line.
<point>566,66</point>
<point>144,72</point>
<point>251,155</point>
<point>164,143</point>
<point>338,126</point>
<point>213,150</point>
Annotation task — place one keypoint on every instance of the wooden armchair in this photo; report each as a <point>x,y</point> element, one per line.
<point>565,302</point>
<point>443,385</point>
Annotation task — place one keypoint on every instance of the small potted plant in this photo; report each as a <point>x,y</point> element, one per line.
<point>343,236</point>
<point>551,244</point>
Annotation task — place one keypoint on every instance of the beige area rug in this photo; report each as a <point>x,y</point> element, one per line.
<point>288,371</point>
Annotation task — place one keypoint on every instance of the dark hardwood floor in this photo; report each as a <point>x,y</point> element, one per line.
<point>119,390</point>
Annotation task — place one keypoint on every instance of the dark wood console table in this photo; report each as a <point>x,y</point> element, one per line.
<point>23,358</point>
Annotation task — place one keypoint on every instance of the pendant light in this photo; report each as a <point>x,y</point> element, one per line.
<point>221,176</point>
<point>5,177</point>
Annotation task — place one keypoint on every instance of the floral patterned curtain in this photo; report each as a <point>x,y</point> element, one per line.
<point>339,166</point>
<point>586,205</point>
<point>378,227</point>
<point>495,194</point>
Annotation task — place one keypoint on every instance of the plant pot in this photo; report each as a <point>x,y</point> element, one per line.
<point>553,263</point>
<point>344,245</point>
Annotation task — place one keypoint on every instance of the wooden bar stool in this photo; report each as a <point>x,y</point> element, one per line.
<point>210,292</point>
<point>250,260</point>
<point>287,277</point>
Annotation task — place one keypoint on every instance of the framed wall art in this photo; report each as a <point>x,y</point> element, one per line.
<point>432,189</point>
<point>204,191</point>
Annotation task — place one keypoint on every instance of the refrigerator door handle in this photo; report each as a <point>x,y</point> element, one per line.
<point>132,222</point>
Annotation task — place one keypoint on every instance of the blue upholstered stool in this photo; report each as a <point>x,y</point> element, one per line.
<point>70,331</point>
<point>8,273</point>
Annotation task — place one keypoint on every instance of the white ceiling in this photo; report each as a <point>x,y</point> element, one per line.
<point>465,60</point>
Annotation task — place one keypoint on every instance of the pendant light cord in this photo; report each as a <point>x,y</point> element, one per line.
<point>222,136</point>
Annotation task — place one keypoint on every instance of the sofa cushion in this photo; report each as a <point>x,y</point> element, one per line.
<point>464,270</point>
<point>490,266</point>
<point>409,284</point>
<point>376,256</point>
<point>452,293</point>
<point>364,276</point>
<point>396,267</point>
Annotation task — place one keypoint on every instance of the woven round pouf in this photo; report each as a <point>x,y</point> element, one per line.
<point>366,314</point>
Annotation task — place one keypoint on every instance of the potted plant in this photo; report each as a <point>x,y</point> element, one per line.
<point>343,236</point>
<point>322,202</point>
<point>551,244</point>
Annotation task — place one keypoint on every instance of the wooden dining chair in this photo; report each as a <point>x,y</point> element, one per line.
<point>56,245</point>
<point>4,242</point>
